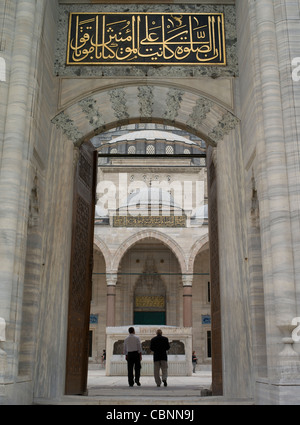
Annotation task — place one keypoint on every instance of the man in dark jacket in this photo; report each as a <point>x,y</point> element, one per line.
<point>160,345</point>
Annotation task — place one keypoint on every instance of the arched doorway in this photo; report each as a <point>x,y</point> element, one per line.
<point>220,123</point>
<point>147,293</point>
<point>142,306</point>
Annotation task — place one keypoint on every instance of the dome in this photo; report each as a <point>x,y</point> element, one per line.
<point>153,196</point>
<point>152,135</point>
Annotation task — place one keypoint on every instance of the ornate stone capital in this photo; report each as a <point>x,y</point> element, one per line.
<point>111,279</point>
<point>187,280</point>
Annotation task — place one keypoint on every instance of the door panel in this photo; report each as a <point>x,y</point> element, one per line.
<point>217,368</point>
<point>81,270</point>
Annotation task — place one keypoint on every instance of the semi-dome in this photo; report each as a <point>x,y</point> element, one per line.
<point>152,196</point>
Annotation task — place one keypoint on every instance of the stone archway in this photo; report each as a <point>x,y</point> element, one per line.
<point>154,234</point>
<point>159,102</point>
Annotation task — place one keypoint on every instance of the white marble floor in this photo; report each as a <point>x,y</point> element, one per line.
<point>178,386</point>
<point>97,378</point>
<point>115,391</point>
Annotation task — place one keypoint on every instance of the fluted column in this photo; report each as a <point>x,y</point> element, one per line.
<point>279,224</point>
<point>111,280</point>
<point>15,145</point>
<point>187,281</point>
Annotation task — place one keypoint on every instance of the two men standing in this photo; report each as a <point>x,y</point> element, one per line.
<point>133,352</point>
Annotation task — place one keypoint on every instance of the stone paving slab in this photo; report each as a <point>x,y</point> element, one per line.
<point>114,391</point>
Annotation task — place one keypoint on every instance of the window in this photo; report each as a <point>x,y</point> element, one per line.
<point>186,151</point>
<point>208,292</point>
<point>208,343</point>
<point>169,150</point>
<point>150,150</point>
<point>114,150</point>
<point>90,349</point>
<point>131,150</point>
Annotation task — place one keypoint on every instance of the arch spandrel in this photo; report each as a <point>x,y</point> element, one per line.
<point>196,248</point>
<point>217,90</point>
<point>169,105</point>
<point>103,248</point>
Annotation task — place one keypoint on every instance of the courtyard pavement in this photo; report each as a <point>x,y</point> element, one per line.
<point>113,391</point>
<point>184,386</point>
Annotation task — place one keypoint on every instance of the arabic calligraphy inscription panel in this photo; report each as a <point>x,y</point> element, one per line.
<point>146,38</point>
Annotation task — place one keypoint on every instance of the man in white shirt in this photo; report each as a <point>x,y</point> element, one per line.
<point>133,353</point>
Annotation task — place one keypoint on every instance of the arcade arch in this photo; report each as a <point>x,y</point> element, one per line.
<point>147,292</point>
<point>150,234</point>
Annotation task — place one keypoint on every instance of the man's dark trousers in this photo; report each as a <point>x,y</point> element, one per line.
<point>133,360</point>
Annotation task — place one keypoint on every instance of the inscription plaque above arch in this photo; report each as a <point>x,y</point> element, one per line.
<point>146,39</point>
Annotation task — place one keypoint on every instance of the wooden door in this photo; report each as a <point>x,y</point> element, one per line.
<point>216,347</point>
<point>81,271</point>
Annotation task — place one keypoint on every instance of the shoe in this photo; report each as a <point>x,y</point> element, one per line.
<point>138,384</point>
<point>165,383</point>
<point>158,385</point>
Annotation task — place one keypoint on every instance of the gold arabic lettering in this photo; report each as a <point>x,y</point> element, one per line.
<point>149,221</point>
<point>146,38</point>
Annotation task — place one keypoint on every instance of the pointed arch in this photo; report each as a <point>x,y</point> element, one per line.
<point>164,103</point>
<point>101,245</point>
<point>132,240</point>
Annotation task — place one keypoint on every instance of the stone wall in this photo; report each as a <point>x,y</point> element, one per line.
<point>269,104</point>
<point>33,298</point>
<point>257,172</point>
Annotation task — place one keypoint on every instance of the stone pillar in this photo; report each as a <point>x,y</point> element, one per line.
<point>111,280</point>
<point>279,224</point>
<point>13,206</point>
<point>187,281</point>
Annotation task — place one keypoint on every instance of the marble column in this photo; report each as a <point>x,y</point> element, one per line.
<point>15,146</point>
<point>187,281</point>
<point>279,224</point>
<point>111,280</point>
